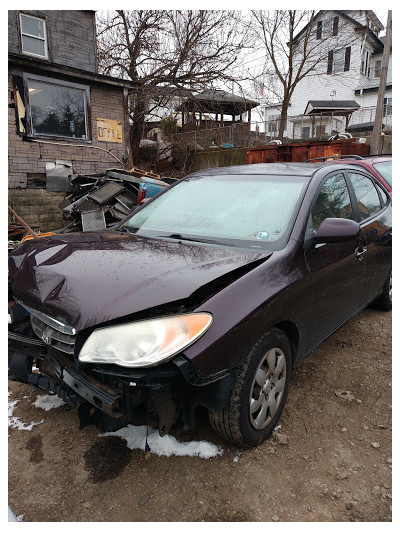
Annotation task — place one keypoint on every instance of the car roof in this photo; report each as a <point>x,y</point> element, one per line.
<point>377,159</point>
<point>356,161</point>
<point>282,169</point>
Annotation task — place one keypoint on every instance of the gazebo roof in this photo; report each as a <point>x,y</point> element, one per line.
<point>217,101</point>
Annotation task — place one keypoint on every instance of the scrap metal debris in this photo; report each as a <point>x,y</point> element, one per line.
<point>99,201</point>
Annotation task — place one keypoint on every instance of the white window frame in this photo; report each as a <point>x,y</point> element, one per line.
<point>43,39</point>
<point>377,70</point>
<point>387,109</point>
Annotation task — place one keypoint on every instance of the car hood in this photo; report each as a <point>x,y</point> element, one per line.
<point>86,279</point>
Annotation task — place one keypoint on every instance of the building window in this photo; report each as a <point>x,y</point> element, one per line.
<point>365,62</point>
<point>387,109</point>
<point>338,61</point>
<point>320,131</point>
<point>327,27</point>
<point>273,123</point>
<point>305,132</point>
<point>33,36</point>
<point>377,68</point>
<point>48,107</point>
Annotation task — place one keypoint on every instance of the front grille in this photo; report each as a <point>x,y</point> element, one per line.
<point>52,337</point>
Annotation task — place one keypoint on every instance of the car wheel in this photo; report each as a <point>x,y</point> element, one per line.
<point>384,301</point>
<point>259,392</point>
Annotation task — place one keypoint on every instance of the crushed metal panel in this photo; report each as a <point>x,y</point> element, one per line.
<point>88,206</point>
<point>93,221</point>
<point>106,192</point>
<point>58,176</point>
<point>127,199</point>
<point>121,208</point>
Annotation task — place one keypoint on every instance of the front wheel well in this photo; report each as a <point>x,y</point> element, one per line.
<point>290,330</point>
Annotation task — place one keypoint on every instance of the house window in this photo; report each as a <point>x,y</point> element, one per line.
<point>273,123</point>
<point>305,132</point>
<point>338,61</point>
<point>365,62</point>
<point>387,109</point>
<point>377,68</point>
<point>320,131</point>
<point>327,27</point>
<point>57,108</point>
<point>33,35</point>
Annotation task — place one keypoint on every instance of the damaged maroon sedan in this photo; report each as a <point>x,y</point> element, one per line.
<point>208,295</point>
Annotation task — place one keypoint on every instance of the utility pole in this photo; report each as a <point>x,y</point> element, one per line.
<point>376,133</point>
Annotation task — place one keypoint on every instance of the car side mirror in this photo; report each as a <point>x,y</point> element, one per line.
<point>337,230</point>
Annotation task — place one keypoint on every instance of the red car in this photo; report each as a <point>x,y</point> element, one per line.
<point>379,166</point>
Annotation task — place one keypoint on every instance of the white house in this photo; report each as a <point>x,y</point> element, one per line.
<point>340,94</point>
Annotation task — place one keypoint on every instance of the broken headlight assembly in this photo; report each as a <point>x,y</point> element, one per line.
<point>144,343</point>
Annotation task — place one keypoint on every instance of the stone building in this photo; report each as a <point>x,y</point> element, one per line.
<point>64,117</point>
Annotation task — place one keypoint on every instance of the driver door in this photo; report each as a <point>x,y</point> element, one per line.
<point>337,270</point>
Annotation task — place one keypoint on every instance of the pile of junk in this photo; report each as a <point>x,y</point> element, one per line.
<point>99,201</point>
<point>94,202</point>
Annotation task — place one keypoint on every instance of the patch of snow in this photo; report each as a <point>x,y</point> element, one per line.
<point>47,402</point>
<point>236,458</point>
<point>135,437</point>
<point>15,422</point>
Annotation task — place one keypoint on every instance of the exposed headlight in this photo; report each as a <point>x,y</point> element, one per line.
<point>144,343</point>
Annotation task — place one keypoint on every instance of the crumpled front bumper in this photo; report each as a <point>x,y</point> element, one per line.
<point>63,379</point>
<point>112,397</point>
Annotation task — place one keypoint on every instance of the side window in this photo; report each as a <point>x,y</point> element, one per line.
<point>333,201</point>
<point>367,196</point>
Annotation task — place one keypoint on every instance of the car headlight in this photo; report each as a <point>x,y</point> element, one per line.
<point>144,343</point>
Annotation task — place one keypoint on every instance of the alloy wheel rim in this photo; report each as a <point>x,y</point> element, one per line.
<point>267,388</point>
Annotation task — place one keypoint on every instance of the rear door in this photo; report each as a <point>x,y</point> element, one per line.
<point>373,210</point>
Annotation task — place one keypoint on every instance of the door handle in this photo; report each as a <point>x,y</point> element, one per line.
<point>360,253</point>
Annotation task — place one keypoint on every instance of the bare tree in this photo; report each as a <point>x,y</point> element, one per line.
<point>159,48</point>
<point>295,47</point>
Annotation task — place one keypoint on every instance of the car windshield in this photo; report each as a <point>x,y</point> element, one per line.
<point>385,170</point>
<point>234,210</point>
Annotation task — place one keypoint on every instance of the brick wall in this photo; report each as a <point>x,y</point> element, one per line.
<point>38,207</point>
<point>71,37</point>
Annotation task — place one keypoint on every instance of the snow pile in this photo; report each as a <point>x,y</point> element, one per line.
<point>15,422</point>
<point>47,402</point>
<point>135,437</point>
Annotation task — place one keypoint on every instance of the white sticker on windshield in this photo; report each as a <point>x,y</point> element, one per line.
<point>259,235</point>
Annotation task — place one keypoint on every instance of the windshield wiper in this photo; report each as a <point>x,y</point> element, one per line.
<point>180,237</point>
<point>123,229</point>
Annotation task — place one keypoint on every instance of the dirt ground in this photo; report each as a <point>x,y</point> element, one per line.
<point>329,461</point>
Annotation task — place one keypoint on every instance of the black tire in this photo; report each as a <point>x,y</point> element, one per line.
<point>384,300</point>
<point>236,424</point>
